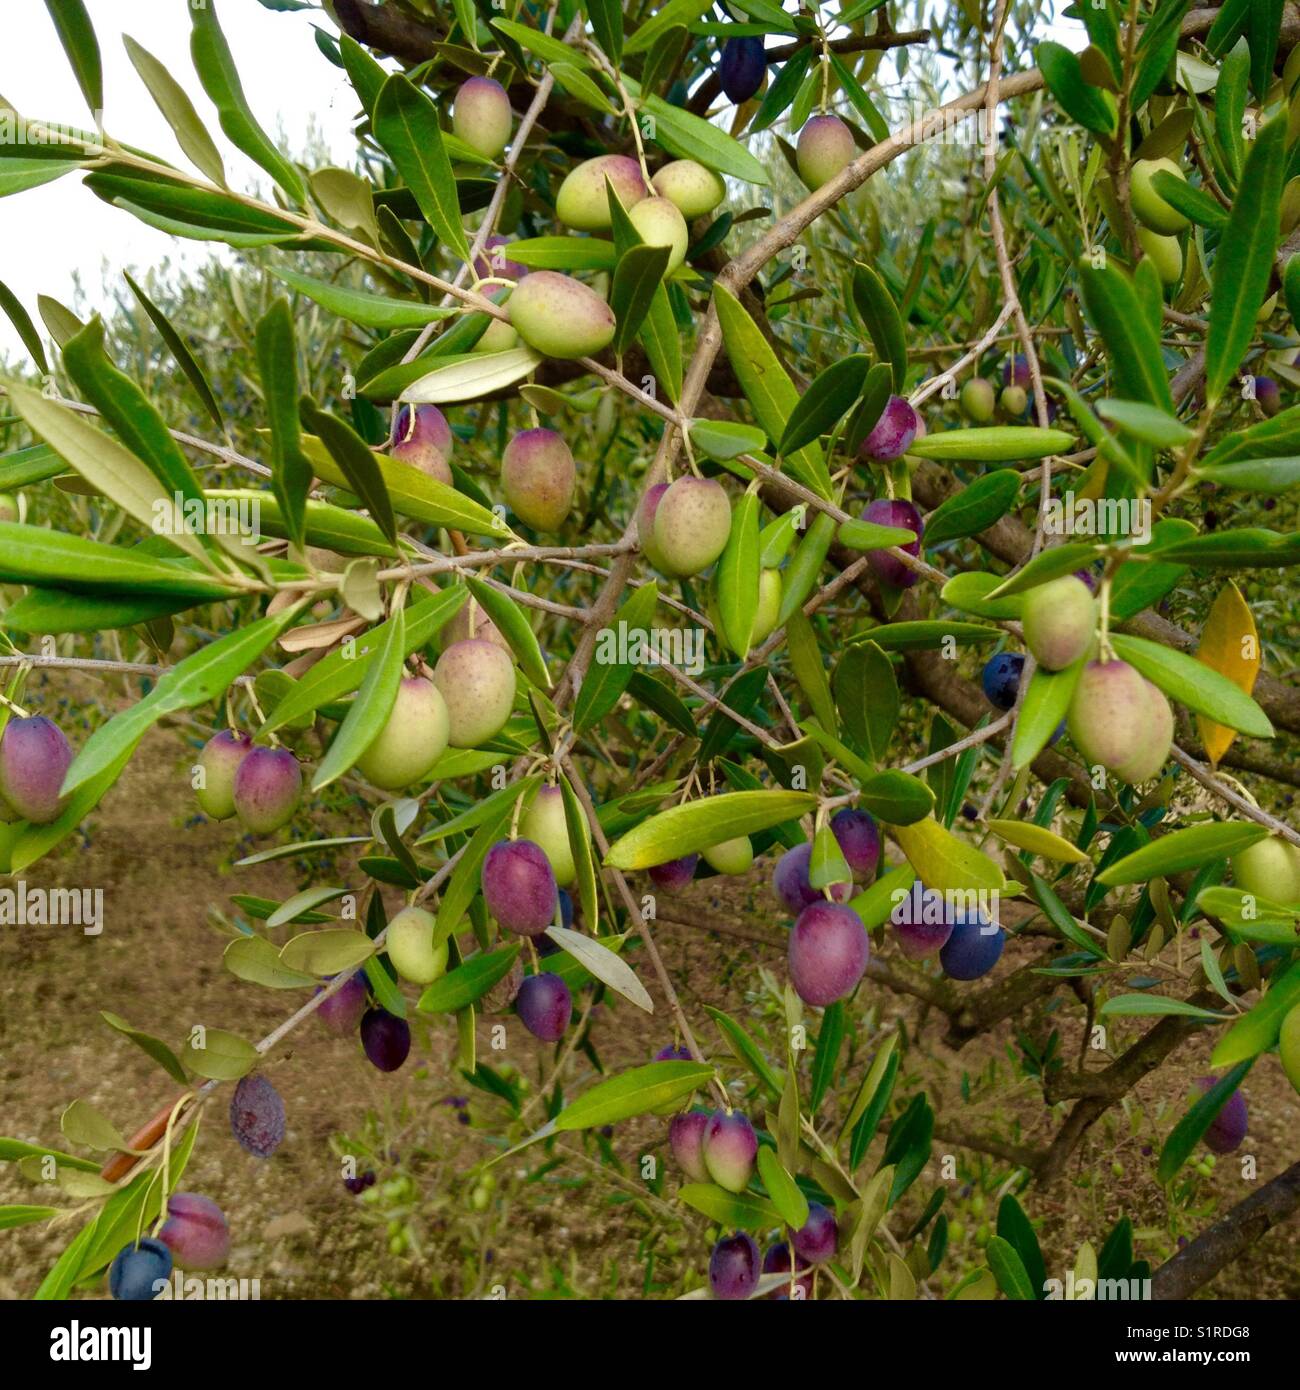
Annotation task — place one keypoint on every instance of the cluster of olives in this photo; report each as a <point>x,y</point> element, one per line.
<point>193,1236</point>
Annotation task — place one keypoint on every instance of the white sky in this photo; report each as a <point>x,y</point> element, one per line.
<point>50,234</point>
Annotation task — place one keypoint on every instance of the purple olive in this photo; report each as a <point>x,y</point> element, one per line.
<point>423,441</point>
<point>922,922</point>
<point>886,511</point>
<point>519,887</point>
<point>973,948</point>
<point>686,1139</point>
<point>34,757</point>
<point>734,1267</point>
<point>385,1038</point>
<point>673,876</point>
<point>220,760</point>
<point>1267,395</point>
<point>779,1260</point>
<point>791,884</point>
<point>669,1053</point>
<point>544,1006</point>
<point>730,1147</point>
<point>342,1011</point>
<point>195,1231</point>
<point>828,953</point>
<point>815,1240</point>
<point>742,67</point>
<point>267,790</point>
<point>1228,1128</point>
<point>257,1116</point>
<point>858,839</point>
<point>892,435</point>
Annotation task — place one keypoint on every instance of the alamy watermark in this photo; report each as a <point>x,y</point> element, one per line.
<point>1069,515</point>
<point>21,906</point>
<point>655,646</point>
<point>918,906</point>
<point>179,515</point>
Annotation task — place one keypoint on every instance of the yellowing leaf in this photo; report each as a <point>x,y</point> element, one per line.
<point>943,862</point>
<point>1037,841</point>
<point>1230,646</point>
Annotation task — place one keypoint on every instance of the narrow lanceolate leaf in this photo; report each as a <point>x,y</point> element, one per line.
<point>767,387</point>
<point>361,307</point>
<point>698,824</point>
<point>105,464</point>
<point>405,123</point>
<point>1093,107</point>
<point>600,961</point>
<point>1005,1262</point>
<point>1194,684</point>
<point>617,654</point>
<point>356,461</point>
<point>1042,710</point>
<point>879,314</point>
<point>737,576</point>
<point>687,136</point>
<point>1132,344</point>
<point>584,863</point>
<point>135,420</point>
<point>153,1047</point>
<point>369,712</point>
<point>77,35</point>
<point>176,345</point>
<point>782,1189</point>
<point>607,24</point>
<point>459,988</point>
<point>510,620</point>
<point>974,508</point>
<point>469,376</point>
<point>277,363</point>
<point>26,329</point>
<point>1259,1029</point>
<point>637,277</point>
<point>220,78</point>
<point>1183,849</point>
<point>178,111</point>
<point>202,676</point>
<point>1189,1131</point>
<point>824,403</point>
<point>1244,260</point>
<point>992,444</point>
<point>651,1087</point>
<point>1037,840</point>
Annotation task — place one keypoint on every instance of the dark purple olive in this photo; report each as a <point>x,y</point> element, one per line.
<point>742,67</point>
<point>385,1038</point>
<point>544,1006</point>
<point>734,1267</point>
<point>815,1240</point>
<point>895,512</point>
<point>673,876</point>
<point>828,953</point>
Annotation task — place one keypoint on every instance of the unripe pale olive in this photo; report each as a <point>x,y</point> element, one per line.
<point>583,203</point>
<point>412,740</point>
<point>1269,869</point>
<point>1059,620</point>
<point>477,681</point>
<point>1148,206</point>
<point>731,856</point>
<point>978,400</point>
<point>410,946</point>
<point>559,316</point>
<point>693,189</point>
<point>825,147</point>
<point>691,524</point>
<point>1151,759</point>
<point>498,336</point>
<point>1165,254</point>
<point>545,825</point>
<point>659,223</point>
<point>1110,715</point>
<point>1014,401</point>
<point>481,116</point>
<point>538,477</point>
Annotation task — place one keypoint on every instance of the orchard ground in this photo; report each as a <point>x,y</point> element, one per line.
<point>572,1231</point>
